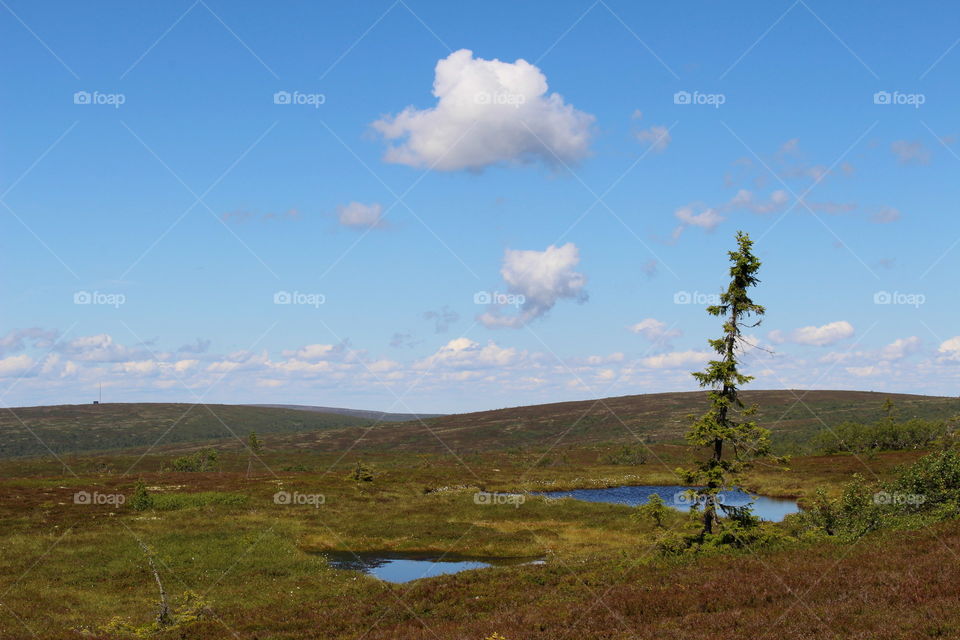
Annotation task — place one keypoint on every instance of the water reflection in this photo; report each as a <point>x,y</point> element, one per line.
<point>771,509</point>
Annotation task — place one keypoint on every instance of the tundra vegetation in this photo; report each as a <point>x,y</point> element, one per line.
<point>226,539</point>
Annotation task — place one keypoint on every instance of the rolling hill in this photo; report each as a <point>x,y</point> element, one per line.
<point>381,416</point>
<point>657,417</point>
<point>29,431</point>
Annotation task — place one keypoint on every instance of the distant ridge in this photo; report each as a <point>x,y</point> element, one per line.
<point>40,431</point>
<point>794,416</point>
<point>382,416</point>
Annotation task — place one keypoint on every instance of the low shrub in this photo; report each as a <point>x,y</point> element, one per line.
<point>885,435</point>
<point>176,501</point>
<point>198,461</point>
<point>625,455</point>
<point>925,492</point>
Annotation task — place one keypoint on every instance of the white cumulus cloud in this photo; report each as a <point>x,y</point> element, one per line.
<point>676,359</point>
<point>709,218</point>
<point>815,336</point>
<point>542,278</point>
<point>900,348</point>
<point>654,330</point>
<point>15,366</point>
<point>950,349</point>
<point>488,112</point>
<point>464,353</point>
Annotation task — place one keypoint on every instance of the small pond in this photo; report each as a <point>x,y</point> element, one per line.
<point>404,567</point>
<point>772,509</point>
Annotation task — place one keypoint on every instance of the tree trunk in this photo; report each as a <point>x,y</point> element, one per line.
<point>729,394</point>
<point>163,612</point>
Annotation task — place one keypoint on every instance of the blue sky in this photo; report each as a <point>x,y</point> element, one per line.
<point>144,243</point>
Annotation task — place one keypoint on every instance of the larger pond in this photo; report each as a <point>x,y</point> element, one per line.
<point>772,509</point>
<point>404,567</point>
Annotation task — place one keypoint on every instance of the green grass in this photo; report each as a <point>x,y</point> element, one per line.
<point>176,501</point>
<point>223,535</point>
<point>71,568</point>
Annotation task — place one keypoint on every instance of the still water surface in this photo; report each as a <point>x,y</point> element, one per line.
<point>404,567</point>
<point>772,509</point>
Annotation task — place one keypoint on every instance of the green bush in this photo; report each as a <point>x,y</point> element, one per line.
<point>362,473</point>
<point>925,492</point>
<point>654,509</point>
<point>199,461</point>
<point>885,435</point>
<point>625,455</point>
<point>142,500</point>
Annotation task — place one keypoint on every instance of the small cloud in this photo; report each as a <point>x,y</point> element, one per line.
<point>442,318</point>
<point>901,348</point>
<point>318,352</point>
<point>815,336</point>
<point>542,278</point>
<point>868,371</point>
<point>18,339</point>
<point>747,200</point>
<point>657,137</point>
<point>708,218</point>
<point>885,215</point>
<point>200,346</point>
<point>950,349</point>
<point>466,354</point>
<point>361,216</point>
<point>236,216</point>
<point>676,359</point>
<point>15,366</point>
<point>910,152</point>
<point>790,146</point>
<point>403,340</point>
<point>831,208</point>
<point>655,331</point>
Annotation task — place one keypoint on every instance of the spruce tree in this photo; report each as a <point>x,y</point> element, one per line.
<point>254,448</point>
<point>727,428</point>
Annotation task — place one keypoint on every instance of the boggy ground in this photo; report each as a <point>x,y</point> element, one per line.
<point>69,568</point>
